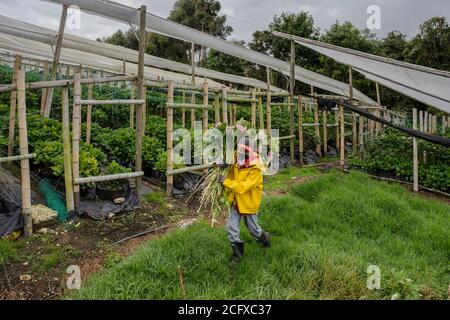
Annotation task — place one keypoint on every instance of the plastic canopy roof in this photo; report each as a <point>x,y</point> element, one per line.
<point>172,29</point>
<point>426,85</point>
<point>32,32</point>
<point>38,50</point>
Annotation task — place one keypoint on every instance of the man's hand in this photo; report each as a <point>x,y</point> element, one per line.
<point>221,179</point>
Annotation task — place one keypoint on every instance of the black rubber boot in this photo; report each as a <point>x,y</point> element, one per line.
<point>265,239</point>
<point>238,250</point>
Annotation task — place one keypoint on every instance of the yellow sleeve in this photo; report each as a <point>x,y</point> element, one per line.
<point>239,187</point>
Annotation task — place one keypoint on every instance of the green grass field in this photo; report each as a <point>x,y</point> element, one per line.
<point>325,234</point>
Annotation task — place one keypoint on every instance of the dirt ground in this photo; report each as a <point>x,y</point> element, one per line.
<point>38,270</point>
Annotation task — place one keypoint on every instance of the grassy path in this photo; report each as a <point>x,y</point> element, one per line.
<point>325,232</point>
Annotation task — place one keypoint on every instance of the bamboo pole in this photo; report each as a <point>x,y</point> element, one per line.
<point>325,133</point>
<point>234,114</point>
<point>44,91</point>
<point>224,106</point>
<point>216,107</point>
<point>49,97</point>
<point>425,122</point>
<point>377,124</point>
<point>336,124</point>
<point>291,101</point>
<point>415,154</point>
<point>261,112</point>
<point>25,163</point>
<point>17,158</point>
<point>68,180</point>
<point>183,111</point>
<point>317,130</point>
<point>444,125</point>
<point>169,186</point>
<point>76,127</point>
<point>141,94</point>
<point>110,177</point>
<point>361,135</point>
<point>66,82</point>
<point>354,134</point>
<point>300,129</point>
<point>421,120</point>
<point>13,108</point>
<point>193,84</point>
<point>434,124</point>
<point>132,106</point>
<point>342,134</point>
<point>89,111</point>
<point>205,105</point>
<point>268,104</point>
<point>253,116</point>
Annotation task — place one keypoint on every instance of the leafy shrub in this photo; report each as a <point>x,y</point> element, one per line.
<point>391,152</point>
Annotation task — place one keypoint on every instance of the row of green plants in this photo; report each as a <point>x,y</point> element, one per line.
<point>392,153</point>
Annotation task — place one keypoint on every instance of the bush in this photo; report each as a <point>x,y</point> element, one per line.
<point>391,153</point>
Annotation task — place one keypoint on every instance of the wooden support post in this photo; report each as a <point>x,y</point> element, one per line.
<point>224,106</point>
<point>205,110</point>
<point>300,129</point>
<point>355,134</point>
<point>425,122</point>
<point>183,111</point>
<point>342,134</point>
<point>234,114</point>
<point>13,107</point>
<point>261,112</point>
<point>268,106</point>
<point>89,111</point>
<point>25,163</point>
<point>336,126</point>
<point>216,107</point>
<point>415,154</point>
<point>44,91</point>
<point>434,124</point>
<point>76,128</point>
<point>325,134</point>
<point>169,185</point>
<point>350,84</point>
<point>132,106</point>
<point>444,124</point>
<point>291,101</point>
<point>68,180</point>
<point>361,136</point>
<point>421,120</point>
<point>377,113</point>
<point>141,94</point>
<point>253,111</point>
<point>193,84</point>
<point>317,129</point>
<point>49,97</point>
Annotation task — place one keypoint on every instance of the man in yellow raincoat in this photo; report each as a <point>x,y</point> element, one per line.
<point>244,185</point>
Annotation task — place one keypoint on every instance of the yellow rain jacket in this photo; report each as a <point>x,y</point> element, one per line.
<point>245,186</point>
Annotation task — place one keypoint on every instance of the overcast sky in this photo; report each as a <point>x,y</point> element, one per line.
<point>246,16</point>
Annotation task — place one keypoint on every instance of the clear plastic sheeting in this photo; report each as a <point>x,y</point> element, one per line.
<point>426,85</point>
<point>36,50</point>
<point>29,31</point>
<point>123,13</point>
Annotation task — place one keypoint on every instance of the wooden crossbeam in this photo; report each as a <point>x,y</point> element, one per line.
<point>17,158</point>
<point>111,177</point>
<point>114,102</point>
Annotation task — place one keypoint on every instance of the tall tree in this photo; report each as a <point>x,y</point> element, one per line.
<point>431,46</point>
<point>300,24</point>
<point>225,63</point>
<point>202,15</point>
